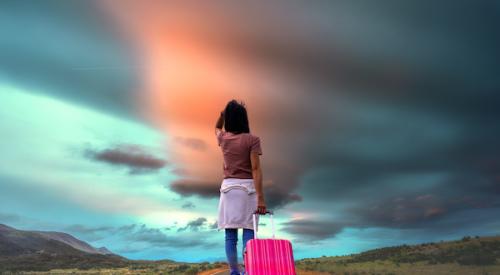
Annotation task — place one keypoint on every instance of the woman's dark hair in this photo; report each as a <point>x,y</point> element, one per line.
<point>235,118</point>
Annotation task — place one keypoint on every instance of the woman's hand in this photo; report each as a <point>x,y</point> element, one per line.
<point>220,121</point>
<point>261,205</point>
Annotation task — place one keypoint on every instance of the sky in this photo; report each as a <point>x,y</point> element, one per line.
<point>378,120</point>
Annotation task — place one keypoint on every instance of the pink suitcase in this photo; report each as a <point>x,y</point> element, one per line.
<point>268,256</point>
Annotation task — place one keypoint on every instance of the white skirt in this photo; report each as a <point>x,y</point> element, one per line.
<point>237,203</point>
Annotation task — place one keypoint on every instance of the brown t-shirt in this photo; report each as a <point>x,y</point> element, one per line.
<point>236,150</point>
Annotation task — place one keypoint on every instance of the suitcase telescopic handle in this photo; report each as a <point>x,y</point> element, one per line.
<point>255,222</point>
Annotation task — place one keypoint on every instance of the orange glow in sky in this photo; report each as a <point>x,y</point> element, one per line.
<point>187,80</point>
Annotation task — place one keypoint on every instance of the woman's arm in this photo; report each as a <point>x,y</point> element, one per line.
<point>257,177</point>
<point>220,121</point>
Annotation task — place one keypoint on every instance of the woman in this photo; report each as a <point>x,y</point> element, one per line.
<point>241,191</point>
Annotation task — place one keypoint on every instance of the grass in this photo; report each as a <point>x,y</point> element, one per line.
<point>388,267</point>
<point>466,256</point>
<point>137,267</point>
<point>478,255</point>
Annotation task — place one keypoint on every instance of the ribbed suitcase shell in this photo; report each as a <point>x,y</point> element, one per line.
<point>269,257</point>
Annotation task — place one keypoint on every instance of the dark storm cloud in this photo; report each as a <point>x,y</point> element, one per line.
<point>157,238</point>
<point>79,228</point>
<point>423,202</point>
<point>351,44</point>
<point>188,187</point>
<point>380,89</point>
<point>393,103</point>
<point>214,225</point>
<point>89,233</point>
<point>188,205</point>
<point>383,112</point>
<point>67,50</point>
<point>428,214</point>
<point>276,196</point>
<point>132,156</point>
<point>310,230</point>
<point>106,229</point>
<point>126,228</point>
<point>402,212</point>
<point>194,225</point>
<point>140,233</point>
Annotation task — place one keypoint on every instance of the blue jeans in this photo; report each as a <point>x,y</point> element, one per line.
<point>231,241</point>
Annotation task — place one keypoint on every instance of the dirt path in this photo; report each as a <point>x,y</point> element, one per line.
<point>225,271</point>
<point>303,272</point>
<point>217,271</point>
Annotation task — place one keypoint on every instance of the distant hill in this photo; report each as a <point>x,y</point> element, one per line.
<point>43,251</point>
<point>22,250</point>
<point>40,250</point>
<point>465,256</point>
<point>73,242</point>
<point>104,250</point>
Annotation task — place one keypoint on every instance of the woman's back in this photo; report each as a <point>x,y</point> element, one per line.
<point>236,150</point>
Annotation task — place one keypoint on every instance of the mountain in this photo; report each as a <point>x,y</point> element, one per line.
<point>41,250</point>
<point>104,250</point>
<point>23,237</point>
<point>73,242</point>
<point>15,242</point>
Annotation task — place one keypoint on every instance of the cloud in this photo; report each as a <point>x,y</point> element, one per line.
<point>95,233</point>
<point>188,205</point>
<point>106,229</point>
<point>157,238</point>
<point>383,122</point>
<point>399,213</point>
<point>189,187</point>
<point>127,228</point>
<point>79,228</point>
<point>103,77</point>
<point>194,225</point>
<point>132,156</point>
<point>427,213</point>
<point>130,249</point>
<point>140,237</point>
<point>214,225</point>
<point>312,230</point>
<point>277,196</point>
<point>398,200</point>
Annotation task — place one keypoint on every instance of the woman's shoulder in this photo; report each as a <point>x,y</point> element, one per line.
<point>223,134</point>
<point>252,139</point>
<point>254,143</point>
<point>252,136</point>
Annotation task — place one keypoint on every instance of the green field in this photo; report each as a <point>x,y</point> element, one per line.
<point>136,267</point>
<point>388,267</point>
<point>478,255</point>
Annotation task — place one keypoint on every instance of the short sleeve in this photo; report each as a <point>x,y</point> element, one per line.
<point>255,145</point>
